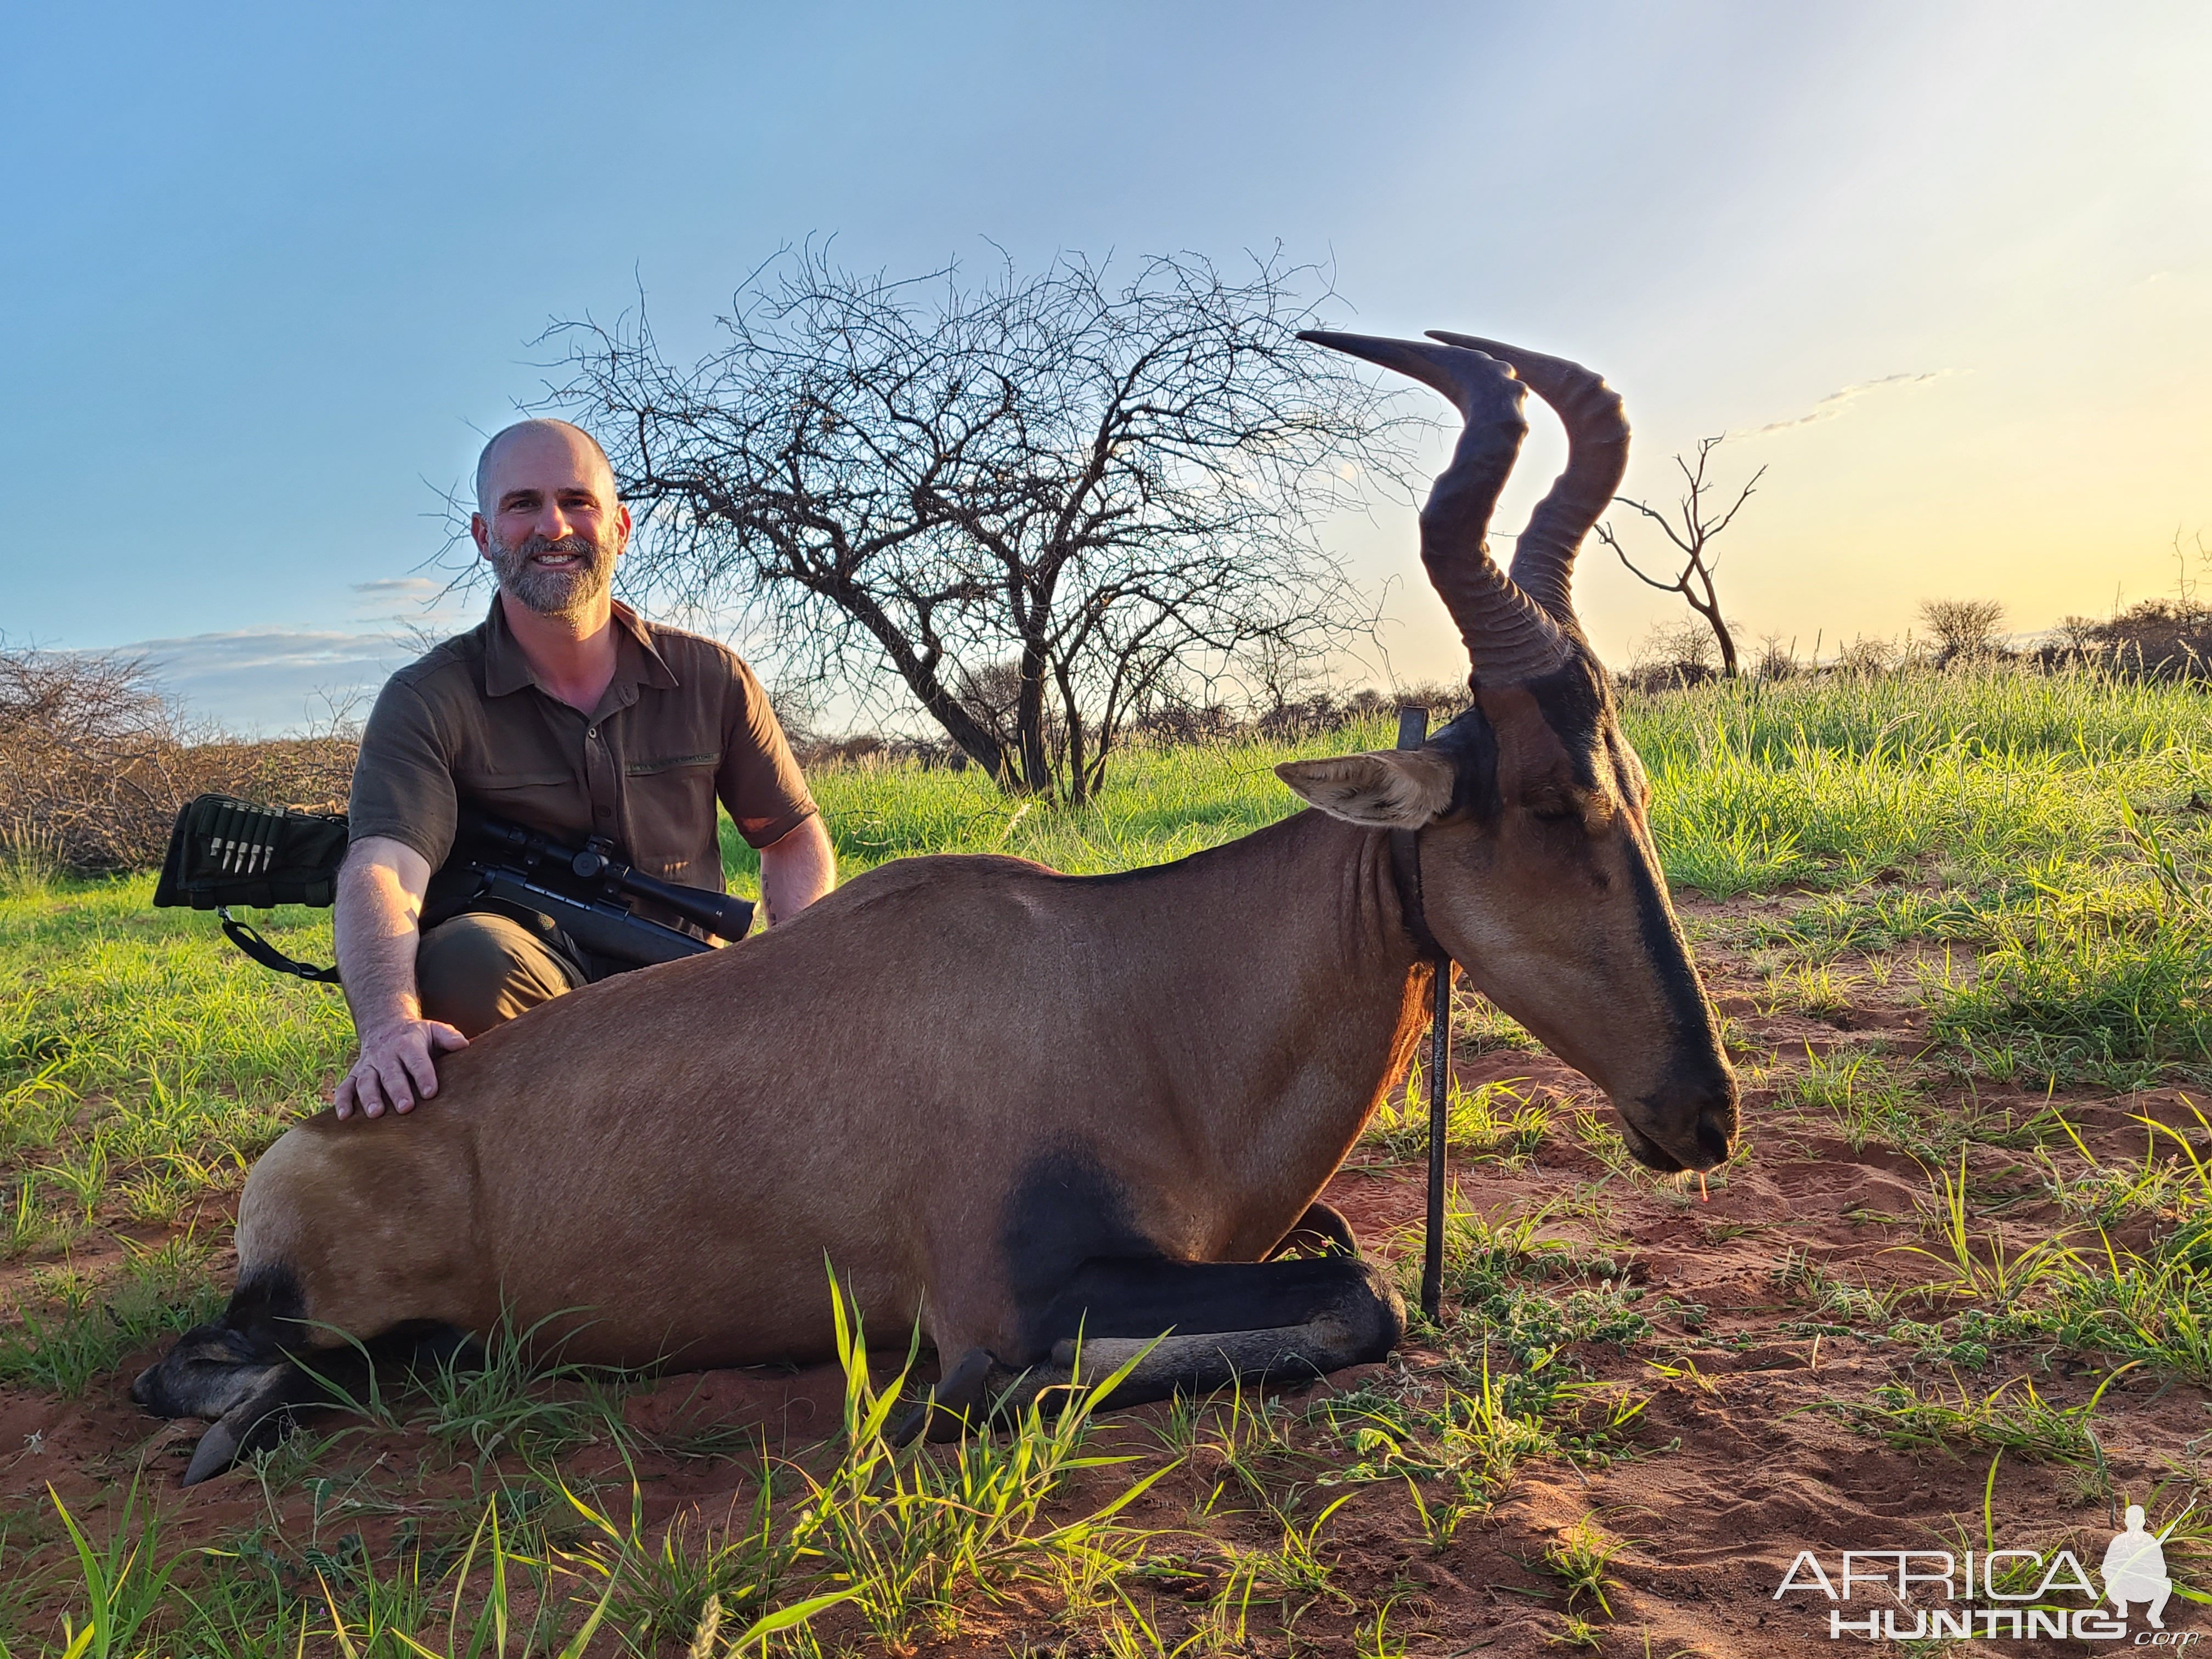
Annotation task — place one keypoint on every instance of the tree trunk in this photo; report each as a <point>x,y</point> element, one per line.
<point>974,739</point>
<point>1029,720</point>
<point>1728,648</point>
<point>1710,610</point>
<point>1079,783</point>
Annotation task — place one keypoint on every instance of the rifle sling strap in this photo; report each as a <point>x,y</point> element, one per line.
<point>1405,874</point>
<point>243,935</point>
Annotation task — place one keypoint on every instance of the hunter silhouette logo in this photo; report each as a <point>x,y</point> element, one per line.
<point>2135,1570</point>
<point>2016,1594</point>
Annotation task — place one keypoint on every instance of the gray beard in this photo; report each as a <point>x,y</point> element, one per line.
<point>553,593</point>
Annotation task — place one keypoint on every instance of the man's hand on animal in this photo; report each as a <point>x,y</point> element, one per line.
<point>1062,1122</point>
<point>397,1066</point>
<point>379,905</point>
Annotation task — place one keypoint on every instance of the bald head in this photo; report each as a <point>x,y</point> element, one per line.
<point>529,447</point>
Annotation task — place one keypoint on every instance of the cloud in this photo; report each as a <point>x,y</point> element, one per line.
<point>270,680</point>
<point>1836,402</point>
<point>417,588</point>
<point>258,647</point>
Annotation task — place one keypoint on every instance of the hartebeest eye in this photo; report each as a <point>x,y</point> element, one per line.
<point>1592,811</point>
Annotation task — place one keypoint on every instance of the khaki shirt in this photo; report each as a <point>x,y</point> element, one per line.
<point>685,723</point>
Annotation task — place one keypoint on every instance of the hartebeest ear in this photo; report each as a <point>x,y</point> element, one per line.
<point>1389,789</point>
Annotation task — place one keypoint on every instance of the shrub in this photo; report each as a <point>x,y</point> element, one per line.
<point>1962,627</point>
<point>94,762</point>
<point>1673,656</point>
<point>2154,639</point>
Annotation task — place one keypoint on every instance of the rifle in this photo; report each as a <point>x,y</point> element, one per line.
<point>224,852</point>
<point>588,891</point>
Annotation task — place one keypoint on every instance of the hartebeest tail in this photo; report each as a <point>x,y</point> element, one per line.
<point>1024,1106</point>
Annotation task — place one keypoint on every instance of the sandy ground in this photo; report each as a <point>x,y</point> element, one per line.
<point>1745,1457</point>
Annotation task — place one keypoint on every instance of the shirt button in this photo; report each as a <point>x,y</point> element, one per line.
<point>603,812</point>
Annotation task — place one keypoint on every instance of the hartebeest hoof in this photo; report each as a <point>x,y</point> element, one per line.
<point>1322,1231</point>
<point>954,1405</point>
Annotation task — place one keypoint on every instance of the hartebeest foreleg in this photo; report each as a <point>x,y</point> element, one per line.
<point>1191,1326</point>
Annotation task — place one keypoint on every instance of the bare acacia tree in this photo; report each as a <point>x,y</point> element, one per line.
<point>1692,537</point>
<point>1041,502</point>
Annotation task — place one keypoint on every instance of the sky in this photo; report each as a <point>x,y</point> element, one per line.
<point>272,272</point>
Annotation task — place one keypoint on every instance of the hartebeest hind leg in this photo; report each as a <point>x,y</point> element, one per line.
<point>1191,1326</point>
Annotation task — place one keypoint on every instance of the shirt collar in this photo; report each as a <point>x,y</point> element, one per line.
<point>637,660</point>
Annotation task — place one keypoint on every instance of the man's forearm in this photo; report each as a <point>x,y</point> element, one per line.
<point>379,922</point>
<point>376,924</point>
<point>796,871</point>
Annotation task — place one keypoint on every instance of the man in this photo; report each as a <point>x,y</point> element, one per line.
<point>567,713</point>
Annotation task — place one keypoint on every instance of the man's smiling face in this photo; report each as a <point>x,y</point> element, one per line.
<point>547,518</point>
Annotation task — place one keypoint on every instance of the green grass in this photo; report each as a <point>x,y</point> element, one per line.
<point>896,1536</point>
<point>2096,985</point>
<point>2012,1417</point>
<point>1868,1103</point>
<point>1503,1122</point>
<point>1580,1557</point>
<point>87,1329</point>
<point>1757,786</point>
<point>2019,854</point>
<point>143,1063</point>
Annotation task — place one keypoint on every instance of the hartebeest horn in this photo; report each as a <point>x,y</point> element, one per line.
<point>1509,637</point>
<point>1597,455</point>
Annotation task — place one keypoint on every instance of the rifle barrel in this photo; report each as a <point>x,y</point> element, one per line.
<point>718,913</point>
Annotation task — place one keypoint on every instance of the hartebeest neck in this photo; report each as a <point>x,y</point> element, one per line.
<point>1284,999</point>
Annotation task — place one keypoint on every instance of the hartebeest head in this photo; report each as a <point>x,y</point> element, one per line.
<point>1535,863</point>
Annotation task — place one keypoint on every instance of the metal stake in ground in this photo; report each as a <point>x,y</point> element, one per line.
<point>1432,1261</point>
<point>1412,732</point>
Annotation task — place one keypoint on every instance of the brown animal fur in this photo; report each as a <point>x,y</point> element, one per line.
<point>863,1087</point>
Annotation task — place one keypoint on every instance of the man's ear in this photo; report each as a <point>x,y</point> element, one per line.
<point>1389,789</point>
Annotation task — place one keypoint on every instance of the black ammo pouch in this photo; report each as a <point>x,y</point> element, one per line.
<point>224,852</point>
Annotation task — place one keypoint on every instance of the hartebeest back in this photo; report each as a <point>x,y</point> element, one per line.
<point>1021,1105</point>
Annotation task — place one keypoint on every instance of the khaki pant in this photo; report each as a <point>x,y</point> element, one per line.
<point>478,970</point>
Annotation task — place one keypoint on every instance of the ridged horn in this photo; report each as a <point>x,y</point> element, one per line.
<point>1508,636</point>
<point>1597,456</point>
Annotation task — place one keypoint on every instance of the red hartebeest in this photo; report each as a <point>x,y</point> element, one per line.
<point>1021,1105</point>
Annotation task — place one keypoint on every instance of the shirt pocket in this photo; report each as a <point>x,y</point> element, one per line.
<point>670,809</point>
<point>553,803</point>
